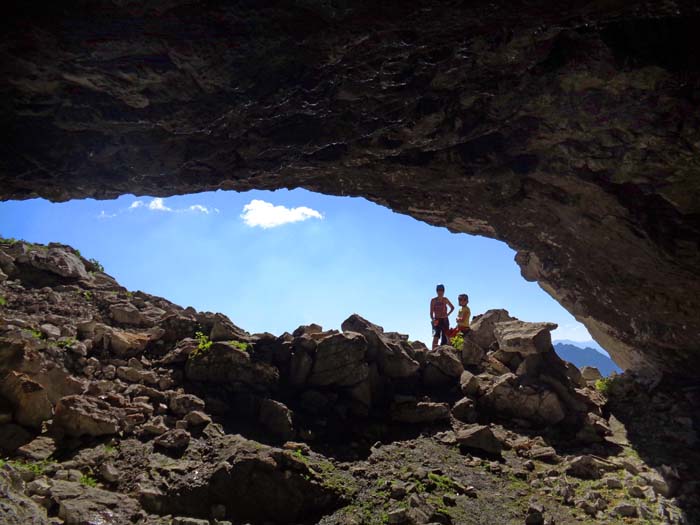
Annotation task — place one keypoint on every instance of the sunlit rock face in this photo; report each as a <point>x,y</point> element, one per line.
<point>574,136</point>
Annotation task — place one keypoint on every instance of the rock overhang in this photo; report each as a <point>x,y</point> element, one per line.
<point>572,136</point>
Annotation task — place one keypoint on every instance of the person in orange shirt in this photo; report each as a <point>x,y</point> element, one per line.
<point>439,316</point>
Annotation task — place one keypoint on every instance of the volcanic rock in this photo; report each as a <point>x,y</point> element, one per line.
<point>226,363</point>
<point>83,415</point>
<point>29,399</point>
<point>339,360</point>
<point>254,482</point>
<point>393,357</point>
<point>420,412</point>
<point>276,418</point>
<point>482,327</point>
<point>468,383</point>
<point>15,507</point>
<point>479,437</point>
<point>507,398</point>
<point>523,338</point>
<point>78,504</point>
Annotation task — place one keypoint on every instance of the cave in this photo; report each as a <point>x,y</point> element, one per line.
<point>570,133</point>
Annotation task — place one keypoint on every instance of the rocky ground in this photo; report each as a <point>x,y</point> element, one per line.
<point>120,407</point>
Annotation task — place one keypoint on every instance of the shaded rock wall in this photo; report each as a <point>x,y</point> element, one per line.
<point>571,133</point>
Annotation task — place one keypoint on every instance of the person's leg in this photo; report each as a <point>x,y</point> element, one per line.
<point>436,335</point>
<point>444,328</point>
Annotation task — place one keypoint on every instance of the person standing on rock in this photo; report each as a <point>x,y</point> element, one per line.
<point>463,315</point>
<point>439,316</point>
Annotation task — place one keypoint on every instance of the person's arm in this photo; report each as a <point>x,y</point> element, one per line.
<point>432,303</point>
<point>452,308</point>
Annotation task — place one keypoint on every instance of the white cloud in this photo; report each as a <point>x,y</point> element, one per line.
<point>104,215</point>
<point>158,205</point>
<point>198,208</point>
<point>267,215</point>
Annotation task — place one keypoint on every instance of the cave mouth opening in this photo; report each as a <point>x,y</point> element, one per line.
<point>272,261</point>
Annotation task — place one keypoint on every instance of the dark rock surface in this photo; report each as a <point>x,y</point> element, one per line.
<point>168,427</point>
<point>570,132</point>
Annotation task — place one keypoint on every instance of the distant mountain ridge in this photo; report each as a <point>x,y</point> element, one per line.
<point>582,344</point>
<point>586,357</point>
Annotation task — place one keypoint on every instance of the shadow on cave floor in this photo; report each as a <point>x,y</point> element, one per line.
<point>661,427</point>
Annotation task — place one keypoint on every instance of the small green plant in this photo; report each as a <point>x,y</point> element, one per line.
<point>603,385</point>
<point>203,344</point>
<point>88,295</point>
<point>77,252</point>
<point>36,334</point>
<point>129,295</point>
<point>36,467</point>
<point>246,347</point>
<point>66,343</point>
<point>457,341</point>
<point>442,482</point>
<point>298,454</point>
<point>88,481</point>
<point>97,265</point>
<point>110,448</point>
<point>3,301</point>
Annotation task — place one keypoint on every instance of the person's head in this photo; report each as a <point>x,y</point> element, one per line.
<point>440,289</point>
<point>463,299</point>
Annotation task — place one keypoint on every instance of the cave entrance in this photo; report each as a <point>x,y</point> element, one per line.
<point>272,261</point>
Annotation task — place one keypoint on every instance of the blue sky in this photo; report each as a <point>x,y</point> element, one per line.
<point>272,261</point>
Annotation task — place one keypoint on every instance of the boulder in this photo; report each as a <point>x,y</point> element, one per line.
<point>468,383</point>
<point>544,453</point>
<point>254,482</point>
<point>464,410</point>
<point>134,375</point>
<point>83,415</point>
<point>301,361</point>
<point>390,353</point>
<point>506,398</point>
<point>276,418</point>
<point>50,331</point>
<point>175,441</point>
<point>29,400</point>
<point>13,437</point>
<point>197,418</point>
<point>127,313</point>
<point>340,361</point>
<point>433,377</point>
<point>57,261</point>
<point>224,330</point>
<point>479,437</point>
<point>481,327</point>
<point>591,373</point>
<point>589,467</point>
<point>420,412</point>
<point>181,404</point>
<point>524,338</point>
<point>38,449</point>
<point>309,329</point>
<point>125,344</point>
<point>471,352</point>
<point>224,363</point>
<point>16,508</point>
<point>180,353</point>
<point>79,504</point>
<point>446,359</point>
